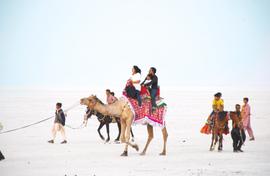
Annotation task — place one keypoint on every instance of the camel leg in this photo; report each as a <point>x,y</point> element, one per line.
<point>123,130</point>
<point>119,131</point>
<point>99,128</point>
<point>165,137</point>
<point>123,137</point>
<point>220,142</point>
<point>132,135</point>
<point>127,137</point>
<point>108,132</point>
<point>150,137</point>
<point>212,147</point>
<point>215,141</point>
<point>128,132</point>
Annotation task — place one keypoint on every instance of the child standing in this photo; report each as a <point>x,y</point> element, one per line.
<point>59,123</point>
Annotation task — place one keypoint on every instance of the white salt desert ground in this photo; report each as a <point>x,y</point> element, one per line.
<point>28,153</point>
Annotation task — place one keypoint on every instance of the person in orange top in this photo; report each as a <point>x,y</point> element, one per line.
<point>246,119</point>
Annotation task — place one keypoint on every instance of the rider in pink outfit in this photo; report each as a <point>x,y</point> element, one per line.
<point>110,98</point>
<point>246,118</point>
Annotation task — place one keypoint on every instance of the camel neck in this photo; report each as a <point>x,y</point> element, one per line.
<point>101,108</point>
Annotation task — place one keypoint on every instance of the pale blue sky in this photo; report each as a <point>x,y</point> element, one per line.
<point>96,42</point>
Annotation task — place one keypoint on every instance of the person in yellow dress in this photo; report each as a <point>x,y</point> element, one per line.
<point>218,108</point>
<point>218,103</point>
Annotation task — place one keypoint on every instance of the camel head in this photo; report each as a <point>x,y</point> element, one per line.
<point>90,101</point>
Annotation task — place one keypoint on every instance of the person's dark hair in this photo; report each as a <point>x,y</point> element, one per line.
<point>59,104</point>
<point>218,94</point>
<point>246,99</point>
<point>237,105</point>
<point>112,93</point>
<point>108,90</point>
<point>137,69</point>
<point>153,69</point>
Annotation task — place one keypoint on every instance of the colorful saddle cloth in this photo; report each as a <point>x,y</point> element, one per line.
<point>144,115</point>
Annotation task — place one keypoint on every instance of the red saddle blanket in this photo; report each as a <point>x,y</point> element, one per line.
<point>144,115</point>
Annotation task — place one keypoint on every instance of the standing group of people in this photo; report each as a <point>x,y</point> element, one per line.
<point>151,82</point>
<point>238,127</point>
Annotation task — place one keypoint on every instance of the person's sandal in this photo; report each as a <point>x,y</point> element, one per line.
<point>51,141</point>
<point>64,142</point>
<point>252,139</point>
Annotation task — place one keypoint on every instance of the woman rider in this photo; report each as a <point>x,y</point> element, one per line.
<point>135,80</point>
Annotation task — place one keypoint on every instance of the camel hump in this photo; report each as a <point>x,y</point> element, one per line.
<point>123,101</point>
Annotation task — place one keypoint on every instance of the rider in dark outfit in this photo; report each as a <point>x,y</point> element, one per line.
<point>153,85</point>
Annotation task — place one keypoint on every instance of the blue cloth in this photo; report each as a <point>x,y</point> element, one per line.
<point>138,96</point>
<point>153,95</point>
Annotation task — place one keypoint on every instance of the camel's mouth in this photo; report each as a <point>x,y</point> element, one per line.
<point>82,101</point>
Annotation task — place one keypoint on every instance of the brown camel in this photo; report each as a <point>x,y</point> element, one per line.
<point>121,109</point>
<point>220,127</point>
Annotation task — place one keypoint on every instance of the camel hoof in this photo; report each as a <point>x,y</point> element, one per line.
<point>142,154</point>
<point>162,154</point>
<point>122,140</point>
<point>116,141</point>
<point>136,147</point>
<point>125,153</point>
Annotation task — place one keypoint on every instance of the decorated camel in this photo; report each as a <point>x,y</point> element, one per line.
<point>129,113</point>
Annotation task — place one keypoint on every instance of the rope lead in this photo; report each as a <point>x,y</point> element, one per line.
<point>38,122</point>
